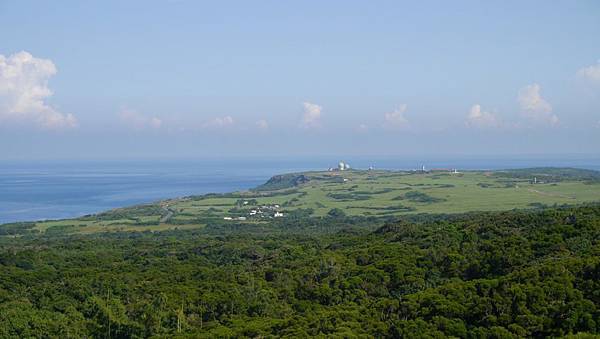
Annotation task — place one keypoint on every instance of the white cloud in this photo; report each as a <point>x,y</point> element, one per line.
<point>312,115</point>
<point>479,118</point>
<point>590,73</point>
<point>396,118</point>
<point>262,124</point>
<point>139,121</point>
<point>534,107</point>
<point>219,122</point>
<point>24,90</point>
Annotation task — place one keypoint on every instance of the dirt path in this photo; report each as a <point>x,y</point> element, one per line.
<point>167,216</point>
<point>550,194</point>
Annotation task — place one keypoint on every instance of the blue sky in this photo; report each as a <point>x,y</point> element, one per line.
<point>192,79</point>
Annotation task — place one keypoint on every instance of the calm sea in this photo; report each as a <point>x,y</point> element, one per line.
<point>64,189</point>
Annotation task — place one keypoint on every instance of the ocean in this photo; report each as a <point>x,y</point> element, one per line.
<point>39,190</point>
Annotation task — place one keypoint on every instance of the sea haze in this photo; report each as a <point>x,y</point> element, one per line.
<point>55,190</point>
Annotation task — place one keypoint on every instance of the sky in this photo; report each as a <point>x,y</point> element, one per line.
<point>159,79</point>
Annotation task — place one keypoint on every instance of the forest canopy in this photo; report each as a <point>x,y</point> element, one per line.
<point>532,273</point>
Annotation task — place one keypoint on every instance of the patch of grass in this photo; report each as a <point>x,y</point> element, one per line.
<point>416,196</point>
<point>396,208</point>
<point>348,196</point>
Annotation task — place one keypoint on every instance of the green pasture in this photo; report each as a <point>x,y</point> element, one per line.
<point>357,193</point>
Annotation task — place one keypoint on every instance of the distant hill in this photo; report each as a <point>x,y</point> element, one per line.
<point>356,194</point>
<point>283,181</point>
<point>553,174</point>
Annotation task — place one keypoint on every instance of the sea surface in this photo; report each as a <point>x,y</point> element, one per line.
<point>39,190</point>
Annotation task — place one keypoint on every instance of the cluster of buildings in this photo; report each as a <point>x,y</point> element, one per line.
<point>266,211</point>
<point>342,166</point>
<point>263,211</point>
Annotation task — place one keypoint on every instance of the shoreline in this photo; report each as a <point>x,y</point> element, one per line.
<point>254,188</point>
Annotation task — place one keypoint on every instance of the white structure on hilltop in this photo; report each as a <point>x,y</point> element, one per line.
<point>342,166</point>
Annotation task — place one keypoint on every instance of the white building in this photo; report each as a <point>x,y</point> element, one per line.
<point>343,166</point>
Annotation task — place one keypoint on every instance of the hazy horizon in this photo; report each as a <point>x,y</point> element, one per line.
<point>552,160</point>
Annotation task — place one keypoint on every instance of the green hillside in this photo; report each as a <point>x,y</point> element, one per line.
<point>366,194</point>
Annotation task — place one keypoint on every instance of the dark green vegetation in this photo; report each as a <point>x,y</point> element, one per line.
<point>368,254</point>
<point>418,197</point>
<point>282,181</point>
<point>496,274</point>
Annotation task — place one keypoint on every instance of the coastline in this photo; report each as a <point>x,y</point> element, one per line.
<point>253,187</point>
<point>63,189</point>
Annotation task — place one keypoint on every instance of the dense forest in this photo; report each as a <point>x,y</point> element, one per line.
<point>495,275</point>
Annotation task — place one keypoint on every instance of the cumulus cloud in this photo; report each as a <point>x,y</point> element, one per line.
<point>396,118</point>
<point>138,120</point>
<point>24,90</point>
<point>312,115</point>
<point>219,122</point>
<point>262,124</point>
<point>479,118</point>
<point>590,73</point>
<point>534,107</point>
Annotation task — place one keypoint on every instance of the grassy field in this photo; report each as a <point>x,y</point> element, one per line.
<point>356,193</point>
